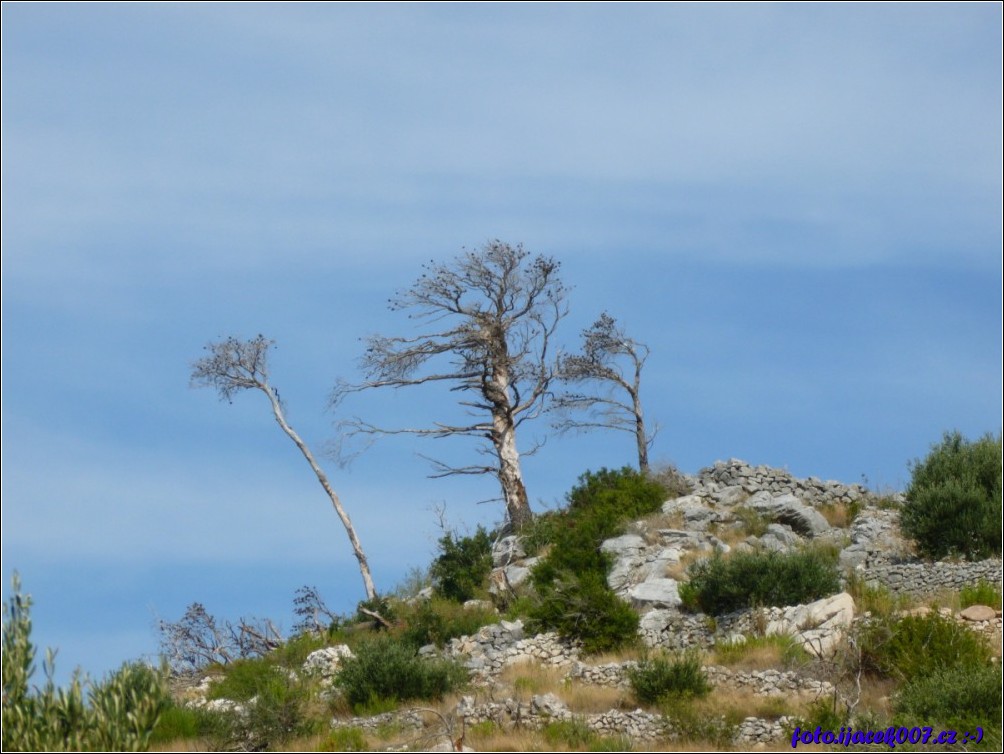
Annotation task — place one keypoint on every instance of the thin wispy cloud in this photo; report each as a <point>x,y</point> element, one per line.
<point>796,207</point>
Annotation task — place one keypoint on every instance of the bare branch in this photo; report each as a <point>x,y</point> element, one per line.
<point>310,607</point>
<point>198,639</point>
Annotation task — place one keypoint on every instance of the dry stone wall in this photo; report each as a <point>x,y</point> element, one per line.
<point>927,578</point>
<point>726,480</point>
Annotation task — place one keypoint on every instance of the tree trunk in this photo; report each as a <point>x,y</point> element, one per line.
<point>357,548</point>
<point>640,437</point>
<point>517,504</point>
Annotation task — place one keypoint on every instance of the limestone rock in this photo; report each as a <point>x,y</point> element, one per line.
<point>626,544</point>
<point>978,613</point>
<point>548,705</point>
<point>787,509</point>
<point>658,591</point>
<point>780,538</point>
<point>507,550</point>
<point>326,662</point>
<point>818,625</point>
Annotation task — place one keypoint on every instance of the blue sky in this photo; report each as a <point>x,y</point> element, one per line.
<point>796,207</point>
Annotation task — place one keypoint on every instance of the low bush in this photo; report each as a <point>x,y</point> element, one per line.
<point>720,585</point>
<point>438,620</point>
<point>574,598</point>
<point>583,607</point>
<point>460,572</point>
<point>625,491</point>
<point>915,646</point>
<point>983,593</point>
<point>954,698</point>
<point>178,723</point>
<point>954,499</point>
<point>385,668</point>
<point>659,678</point>
<point>275,700</point>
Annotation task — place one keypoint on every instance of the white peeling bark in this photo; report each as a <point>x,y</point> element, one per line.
<point>357,548</point>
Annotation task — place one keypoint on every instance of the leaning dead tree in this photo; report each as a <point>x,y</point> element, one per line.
<point>495,311</point>
<point>611,362</point>
<point>234,365</point>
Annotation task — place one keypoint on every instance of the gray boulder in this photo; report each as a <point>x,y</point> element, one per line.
<point>627,544</point>
<point>507,550</point>
<point>787,509</point>
<point>658,592</point>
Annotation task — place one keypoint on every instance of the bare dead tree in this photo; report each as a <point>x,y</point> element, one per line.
<point>310,608</point>
<point>613,362</point>
<point>234,365</point>
<point>198,639</point>
<point>495,311</point>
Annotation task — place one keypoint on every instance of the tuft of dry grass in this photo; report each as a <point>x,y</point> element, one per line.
<point>528,679</point>
<point>584,698</point>
<point>761,653</point>
<point>185,744</point>
<point>678,570</point>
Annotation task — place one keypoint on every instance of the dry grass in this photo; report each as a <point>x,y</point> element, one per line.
<point>840,515</point>
<point>527,679</point>
<point>739,703</point>
<point>182,744</point>
<point>761,653</point>
<point>589,699</point>
<point>659,521</point>
<point>678,570</point>
<point>620,655</point>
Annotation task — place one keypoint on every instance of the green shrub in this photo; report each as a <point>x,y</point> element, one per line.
<point>954,499</point>
<point>117,714</point>
<point>438,620</point>
<point>294,652</point>
<point>956,698</point>
<point>915,646</point>
<point>243,679</point>
<point>177,723</point>
<point>461,570</point>
<point>658,678</point>
<point>583,607</point>
<point>274,697</point>
<point>720,585</point>
<point>983,593</point>
<point>625,491</point>
<point>574,598</point>
<point>385,668</point>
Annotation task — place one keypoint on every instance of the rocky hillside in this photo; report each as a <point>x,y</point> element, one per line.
<point>770,666</point>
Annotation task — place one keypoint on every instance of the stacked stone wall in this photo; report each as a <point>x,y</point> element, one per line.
<point>739,474</point>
